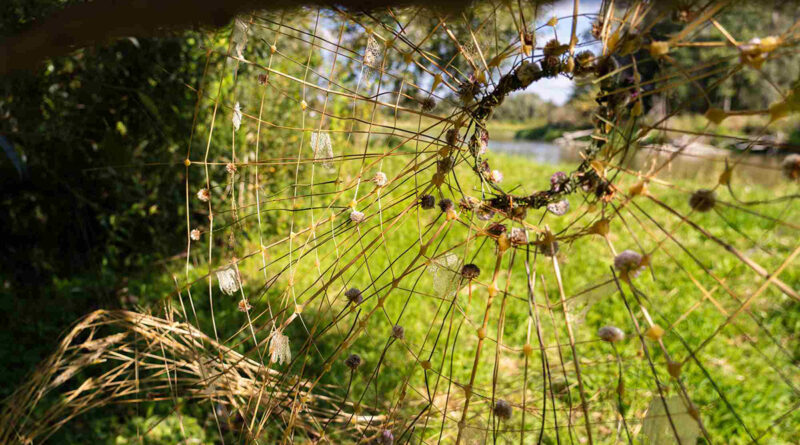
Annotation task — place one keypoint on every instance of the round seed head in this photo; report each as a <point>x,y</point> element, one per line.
<point>230,167</point>
<point>427,201</point>
<point>357,217</point>
<point>353,361</point>
<point>195,234</point>
<point>445,205</point>
<point>558,208</point>
<point>470,271</point>
<point>584,59</point>
<point>452,136</point>
<point>527,73</point>
<point>628,263</point>
<point>354,295</point>
<point>496,176</point>
<point>605,66</point>
<point>552,48</point>
<point>502,409</point>
<point>398,332</point>
<point>518,236</point>
<point>791,167</point>
<point>702,200</point>
<point>551,65</point>
<point>611,334</point>
<point>558,180</point>
<point>386,438</point>
<point>380,179</point>
<point>203,195</point>
<point>427,104</point>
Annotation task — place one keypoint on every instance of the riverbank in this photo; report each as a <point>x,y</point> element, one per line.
<point>691,160</point>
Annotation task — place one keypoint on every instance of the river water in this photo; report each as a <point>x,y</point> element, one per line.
<point>756,169</point>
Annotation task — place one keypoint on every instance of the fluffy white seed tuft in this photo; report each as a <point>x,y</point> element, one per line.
<point>279,348</point>
<point>228,280</point>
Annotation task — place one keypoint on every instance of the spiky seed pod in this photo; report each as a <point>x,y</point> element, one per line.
<point>230,167</point>
<point>584,60</point>
<point>551,66</point>
<point>611,334</point>
<point>518,236</point>
<point>353,361</point>
<point>496,229</point>
<point>194,234</point>
<point>427,201</point>
<point>203,195</point>
<point>354,295</point>
<point>791,167</point>
<point>552,48</point>
<point>357,217</point>
<point>470,271</point>
<point>398,332</point>
<point>427,104</point>
<point>628,263</point>
<point>380,179</point>
<point>445,205</point>
<point>386,438</point>
<point>502,409</point>
<point>702,200</point>
<point>527,73</point>
<point>605,66</point>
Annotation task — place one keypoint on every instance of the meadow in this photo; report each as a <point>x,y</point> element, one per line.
<point>683,291</point>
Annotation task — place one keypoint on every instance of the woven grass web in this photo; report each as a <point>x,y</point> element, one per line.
<point>363,267</point>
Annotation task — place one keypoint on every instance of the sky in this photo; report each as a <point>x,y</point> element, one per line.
<point>558,89</point>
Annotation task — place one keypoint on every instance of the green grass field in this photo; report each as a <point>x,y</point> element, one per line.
<point>683,291</point>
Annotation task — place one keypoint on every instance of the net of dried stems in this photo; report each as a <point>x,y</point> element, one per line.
<point>393,286</point>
